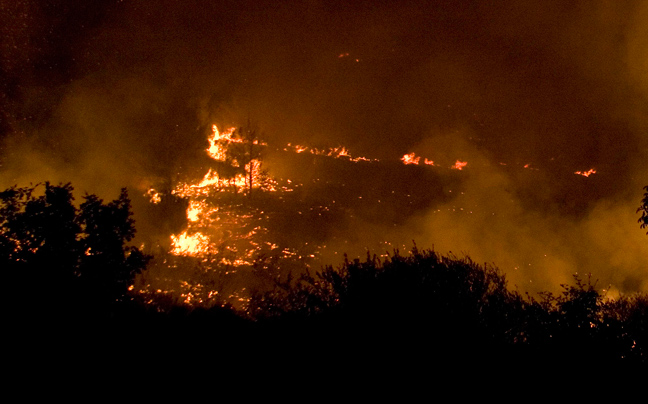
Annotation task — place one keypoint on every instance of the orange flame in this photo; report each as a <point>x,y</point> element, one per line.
<point>335,152</point>
<point>185,244</point>
<point>155,197</point>
<point>198,239</point>
<point>459,165</point>
<point>410,159</point>
<point>586,173</point>
<point>217,149</point>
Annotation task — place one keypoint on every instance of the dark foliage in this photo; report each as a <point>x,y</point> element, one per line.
<point>451,309</point>
<point>643,208</point>
<point>66,265</point>
<point>65,262</point>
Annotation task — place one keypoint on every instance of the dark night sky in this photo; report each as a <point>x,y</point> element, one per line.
<point>114,93</point>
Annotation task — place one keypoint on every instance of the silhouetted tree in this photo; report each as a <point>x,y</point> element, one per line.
<point>63,260</point>
<point>643,208</point>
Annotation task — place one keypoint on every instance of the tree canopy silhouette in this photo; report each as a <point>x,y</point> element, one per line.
<point>643,208</point>
<point>63,259</point>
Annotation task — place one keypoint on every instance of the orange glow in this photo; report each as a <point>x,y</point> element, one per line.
<point>154,196</point>
<point>233,233</point>
<point>218,143</point>
<point>586,173</point>
<point>195,210</point>
<point>335,152</point>
<point>185,244</point>
<point>459,165</point>
<point>410,159</point>
<point>429,162</point>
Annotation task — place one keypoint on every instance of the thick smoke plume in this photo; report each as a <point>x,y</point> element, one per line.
<point>116,93</point>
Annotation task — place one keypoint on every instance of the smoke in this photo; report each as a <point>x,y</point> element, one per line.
<point>123,93</point>
<point>540,242</point>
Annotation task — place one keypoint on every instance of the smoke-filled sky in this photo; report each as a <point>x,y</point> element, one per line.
<point>114,93</point>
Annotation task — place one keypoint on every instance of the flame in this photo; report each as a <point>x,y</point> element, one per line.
<point>334,152</point>
<point>410,159</point>
<point>202,212</point>
<point>459,165</point>
<point>210,183</point>
<point>218,142</point>
<point>185,244</point>
<point>154,196</point>
<point>195,210</point>
<point>586,173</point>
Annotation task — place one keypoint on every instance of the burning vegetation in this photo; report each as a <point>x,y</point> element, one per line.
<point>511,132</point>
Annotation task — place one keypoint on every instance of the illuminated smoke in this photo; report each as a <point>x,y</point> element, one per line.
<point>512,102</point>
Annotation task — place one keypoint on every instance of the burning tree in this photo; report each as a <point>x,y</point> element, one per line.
<point>237,154</point>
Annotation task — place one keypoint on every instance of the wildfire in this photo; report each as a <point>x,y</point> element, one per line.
<point>410,159</point>
<point>154,196</point>
<point>195,210</point>
<point>227,233</point>
<point>459,165</point>
<point>218,143</point>
<point>185,244</point>
<point>334,152</point>
<point>234,221</point>
<point>586,173</point>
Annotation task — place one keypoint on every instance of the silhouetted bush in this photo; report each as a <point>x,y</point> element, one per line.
<point>450,309</point>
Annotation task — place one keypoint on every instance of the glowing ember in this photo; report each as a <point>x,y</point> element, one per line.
<point>410,159</point>
<point>334,152</point>
<point>459,165</point>
<point>154,196</point>
<point>586,173</point>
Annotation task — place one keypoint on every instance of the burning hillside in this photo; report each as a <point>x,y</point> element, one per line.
<point>239,217</point>
<point>512,132</point>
